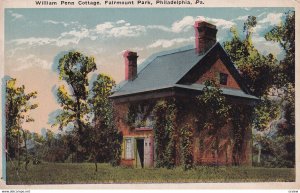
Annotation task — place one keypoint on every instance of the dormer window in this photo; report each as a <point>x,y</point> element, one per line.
<point>223,78</point>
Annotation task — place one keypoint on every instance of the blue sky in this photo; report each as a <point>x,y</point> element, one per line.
<point>36,38</point>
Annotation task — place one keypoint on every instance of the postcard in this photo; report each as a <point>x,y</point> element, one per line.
<point>144,94</point>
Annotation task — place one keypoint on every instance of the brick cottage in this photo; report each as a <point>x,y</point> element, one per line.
<point>180,74</point>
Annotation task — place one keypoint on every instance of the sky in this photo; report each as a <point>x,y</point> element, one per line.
<point>35,39</point>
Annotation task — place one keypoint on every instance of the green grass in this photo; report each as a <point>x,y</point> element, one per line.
<point>83,173</point>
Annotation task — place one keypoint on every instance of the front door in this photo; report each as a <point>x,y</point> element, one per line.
<point>148,149</point>
<point>140,153</point>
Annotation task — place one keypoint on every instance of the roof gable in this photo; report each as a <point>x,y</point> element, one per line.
<point>215,61</point>
<point>214,74</point>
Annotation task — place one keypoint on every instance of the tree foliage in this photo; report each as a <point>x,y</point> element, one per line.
<point>74,68</point>
<point>255,68</point>
<point>266,111</point>
<point>105,139</point>
<point>17,106</point>
<point>273,82</point>
<point>186,143</point>
<point>284,34</point>
<point>165,134</point>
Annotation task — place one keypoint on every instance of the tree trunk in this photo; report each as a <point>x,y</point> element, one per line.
<point>226,154</point>
<point>95,161</point>
<point>78,116</point>
<point>259,154</point>
<point>26,153</point>
<point>79,127</point>
<point>18,149</point>
<point>217,149</point>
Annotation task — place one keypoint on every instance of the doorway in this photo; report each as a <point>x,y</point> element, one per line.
<point>140,152</point>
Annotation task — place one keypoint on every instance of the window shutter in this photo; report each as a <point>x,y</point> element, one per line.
<point>123,149</point>
<point>129,147</point>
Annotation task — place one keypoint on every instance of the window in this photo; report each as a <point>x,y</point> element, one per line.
<point>223,78</point>
<point>143,119</point>
<point>129,148</point>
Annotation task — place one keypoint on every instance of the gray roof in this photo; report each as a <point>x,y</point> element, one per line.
<point>226,91</point>
<point>161,70</point>
<point>164,70</point>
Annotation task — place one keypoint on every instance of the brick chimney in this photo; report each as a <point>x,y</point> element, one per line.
<point>130,65</point>
<point>205,36</point>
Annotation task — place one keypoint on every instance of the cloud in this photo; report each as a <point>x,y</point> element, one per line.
<point>246,8</point>
<point>272,19</point>
<point>32,61</point>
<point>72,37</point>
<point>74,24</point>
<point>104,27</point>
<point>12,51</point>
<point>183,24</point>
<point>135,49</point>
<point>258,28</point>
<point>141,60</point>
<point>159,27</point>
<point>32,41</point>
<point>56,22</point>
<point>261,14</point>
<point>64,39</point>
<point>164,43</point>
<point>266,47</point>
<point>242,18</point>
<point>119,29</point>
<point>188,21</point>
<point>220,23</point>
<point>16,16</point>
<point>120,22</point>
<point>127,31</point>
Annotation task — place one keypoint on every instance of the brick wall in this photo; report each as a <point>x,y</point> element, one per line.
<point>121,110</point>
<point>213,72</point>
<point>203,152</point>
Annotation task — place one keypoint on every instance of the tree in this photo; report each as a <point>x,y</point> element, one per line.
<point>273,82</point>
<point>105,140</point>
<point>26,136</point>
<point>17,107</point>
<point>38,151</point>
<point>74,68</point>
<point>248,29</point>
<point>49,137</point>
<point>255,68</point>
<point>284,34</point>
<point>213,114</point>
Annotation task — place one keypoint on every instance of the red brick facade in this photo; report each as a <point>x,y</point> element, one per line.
<point>135,133</point>
<point>203,151</point>
<point>213,74</point>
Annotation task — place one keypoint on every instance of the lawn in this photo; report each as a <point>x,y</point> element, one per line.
<point>83,173</point>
